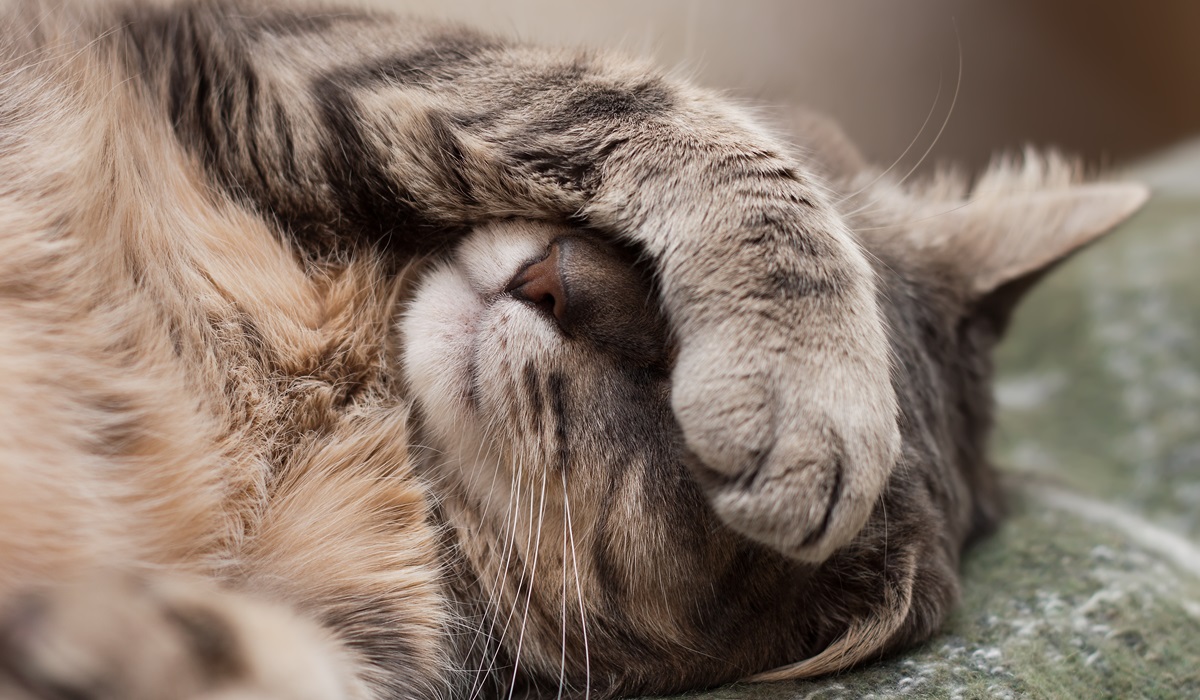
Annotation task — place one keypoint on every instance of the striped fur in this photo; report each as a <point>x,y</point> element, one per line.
<point>277,424</point>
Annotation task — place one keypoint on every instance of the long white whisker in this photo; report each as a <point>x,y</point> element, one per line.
<point>928,117</point>
<point>494,594</point>
<point>867,206</point>
<point>562,614</point>
<point>949,113</point>
<point>486,617</point>
<point>529,598</point>
<point>524,564</point>
<point>587,659</point>
<point>910,222</point>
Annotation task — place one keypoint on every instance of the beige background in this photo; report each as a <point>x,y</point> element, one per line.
<point>1109,80</point>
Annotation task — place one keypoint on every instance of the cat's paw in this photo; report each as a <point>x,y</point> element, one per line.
<point>130,638</point>
<point>790,457</point>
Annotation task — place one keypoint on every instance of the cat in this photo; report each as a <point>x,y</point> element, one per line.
<point>351,356</point>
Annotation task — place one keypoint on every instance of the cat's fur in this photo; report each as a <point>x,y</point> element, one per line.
<point>674,427</point>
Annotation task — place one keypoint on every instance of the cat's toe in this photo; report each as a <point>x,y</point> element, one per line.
<point>801,510</point>
<point>781,466</point>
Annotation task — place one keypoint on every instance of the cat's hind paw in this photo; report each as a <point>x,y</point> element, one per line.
<point>129,638</point>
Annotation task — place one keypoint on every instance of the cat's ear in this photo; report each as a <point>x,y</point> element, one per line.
<point>999,239</point>
<point>1020,220</point>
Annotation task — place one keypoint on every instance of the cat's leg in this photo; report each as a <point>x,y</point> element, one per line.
<point>877,603</point>
<point>405,134</point>
<point>781,383</point>
<point>129,637</point>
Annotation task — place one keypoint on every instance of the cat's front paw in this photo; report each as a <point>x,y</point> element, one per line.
<point>791,460</point>
<point>129,638</point>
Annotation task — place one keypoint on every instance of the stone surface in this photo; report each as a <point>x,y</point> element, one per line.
<point>1092,587</point>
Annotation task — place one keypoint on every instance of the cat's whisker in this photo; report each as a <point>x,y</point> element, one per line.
<point>532,579</point>
<point>562,615</point>
<point>949,113</point>
<point>882,174</point>
<point>489,639</point>
<point>909,222</point>
<point>587,661</point>
<point>511,527</point>
<point>481,631</point>
<point>868,206</point>
<point>495,595</point>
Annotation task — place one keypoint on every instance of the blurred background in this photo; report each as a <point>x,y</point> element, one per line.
<point>1109,79</point>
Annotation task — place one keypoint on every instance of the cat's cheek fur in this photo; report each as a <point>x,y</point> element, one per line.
<point>440,327</point>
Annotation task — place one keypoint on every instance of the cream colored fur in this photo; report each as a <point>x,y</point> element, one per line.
<point>143,431</point>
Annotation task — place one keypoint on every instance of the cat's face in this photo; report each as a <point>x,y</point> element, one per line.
<point>539,363</point>
<point>536,341</point>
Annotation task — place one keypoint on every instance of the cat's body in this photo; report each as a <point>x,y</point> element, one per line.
<point>211,480</point>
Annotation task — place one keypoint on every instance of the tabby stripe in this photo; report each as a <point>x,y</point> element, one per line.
<point>556,387</point>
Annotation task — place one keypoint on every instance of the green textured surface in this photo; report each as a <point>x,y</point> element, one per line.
<point>1100,379</point>
<point>1092,587</point>
<point>1058,605</point>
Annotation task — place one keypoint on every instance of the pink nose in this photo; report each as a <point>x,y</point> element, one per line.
<point>540,283</point>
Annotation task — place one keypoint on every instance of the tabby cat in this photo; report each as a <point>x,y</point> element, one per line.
<point>348,356</point>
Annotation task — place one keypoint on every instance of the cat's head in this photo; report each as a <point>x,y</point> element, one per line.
<point>540,365</point>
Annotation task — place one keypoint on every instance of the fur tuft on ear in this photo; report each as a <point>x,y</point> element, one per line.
<point>1023,217</point>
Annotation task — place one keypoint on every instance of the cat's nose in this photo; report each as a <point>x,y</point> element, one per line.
<point>540,283</point>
